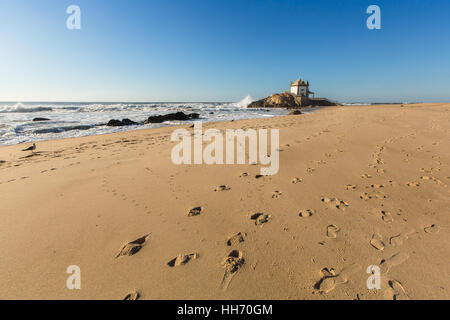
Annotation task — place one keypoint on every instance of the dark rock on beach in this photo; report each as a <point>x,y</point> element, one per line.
<point>128,122</point>
<point>41,119</point>
<point>180,116</point>
<point>63,129</point>
<point>114,123</point>
<point>118,123</point>
<point>295,111</point>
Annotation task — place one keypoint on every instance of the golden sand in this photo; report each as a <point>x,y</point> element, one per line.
<point>357,186</point>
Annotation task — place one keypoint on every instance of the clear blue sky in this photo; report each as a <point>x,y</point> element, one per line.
<point>216,50</point>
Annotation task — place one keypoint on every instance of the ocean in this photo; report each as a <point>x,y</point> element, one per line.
<point>85,119</point>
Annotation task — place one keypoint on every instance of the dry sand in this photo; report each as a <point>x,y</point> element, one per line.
<point>357,186</point>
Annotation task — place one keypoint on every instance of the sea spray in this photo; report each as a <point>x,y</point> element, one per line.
<point>244,102</point>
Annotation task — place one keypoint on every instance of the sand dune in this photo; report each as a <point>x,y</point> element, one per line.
<point>357,186</point>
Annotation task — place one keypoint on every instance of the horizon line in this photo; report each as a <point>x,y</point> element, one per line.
<point>149,102</point>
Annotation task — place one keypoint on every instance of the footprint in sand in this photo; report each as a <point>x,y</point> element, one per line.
<point>413,184</point>
<point>335,203</point>
<point>232,263</point>
<point>376,186</point>
<point>386,216</point>
<point>380,196</point>
<point>310,170</point>
<point>195,211</point>
<point>397,240</point>
<point>260,218</point>
<point>432,229</point>
<point>366,176</point>
<point>332,231</point>
<point>182,259</point>
<point>132,296</point>
<point>330,280</point>
<point>296,180</point>
<point>365,196</point>
<point>276,194</point>
<point>243,175</point>
<point>325,272</point>
<point>236,239</point>
<point>377,242</point>
<point>439,182</point>
<point>222,188</point>
<point>397,290</point>
<point>392,183</point>
<point>350,187</point>
<point>395,260</point>
<point>306,213</point>
<point>133,247</point>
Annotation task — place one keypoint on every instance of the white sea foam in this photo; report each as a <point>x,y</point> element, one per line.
<point>243,103</point>
<point>21,108</point>
<point>81,119</point>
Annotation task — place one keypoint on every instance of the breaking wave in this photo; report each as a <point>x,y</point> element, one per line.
<point>81,119</point>
<point>21,108</point>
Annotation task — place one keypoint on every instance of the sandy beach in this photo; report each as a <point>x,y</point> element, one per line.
<point>357,186</point>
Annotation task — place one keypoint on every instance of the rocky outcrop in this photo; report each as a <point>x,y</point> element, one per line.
<point>180,116</point>
<point>277,100</point>
<point>118,123</point>
<point>290,101</point>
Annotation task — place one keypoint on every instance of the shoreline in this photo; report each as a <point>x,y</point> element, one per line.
<point>304,110</point>
<point>18,123</point>
<point>357,186</point>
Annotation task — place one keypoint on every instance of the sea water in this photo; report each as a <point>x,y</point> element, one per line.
<point>84,119</point>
